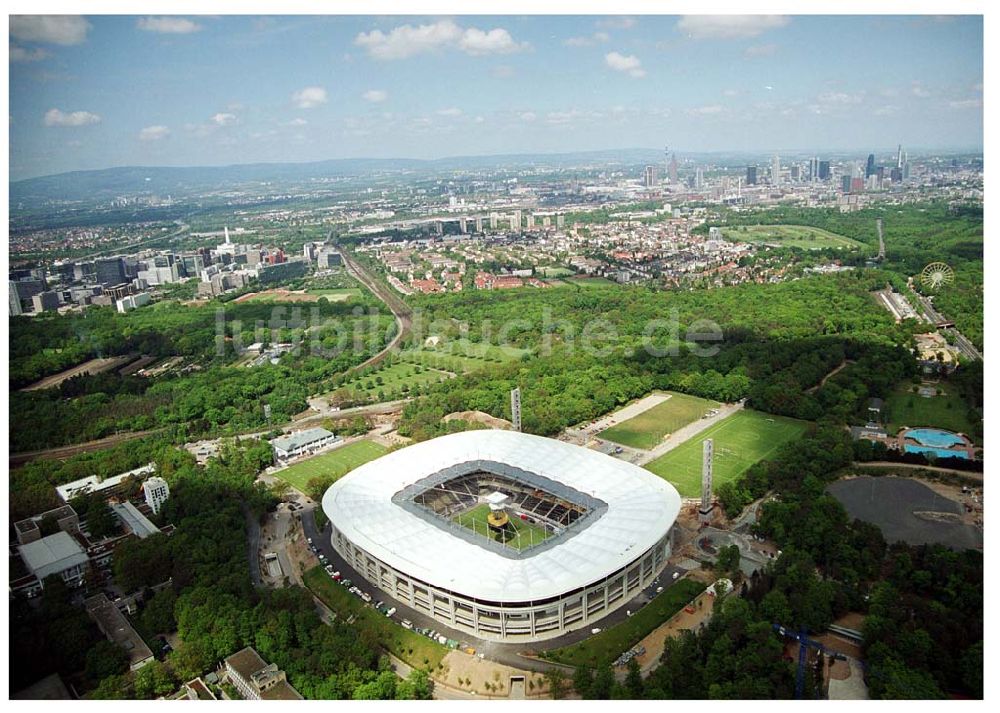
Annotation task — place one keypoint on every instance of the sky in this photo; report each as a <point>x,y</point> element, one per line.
<point>103,91</point>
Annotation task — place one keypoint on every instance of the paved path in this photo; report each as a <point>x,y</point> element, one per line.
<point>917,466</point>
<point>689,431</point>
<point>589,430</point>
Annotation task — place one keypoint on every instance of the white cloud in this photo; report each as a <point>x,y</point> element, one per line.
<point>966,104</point>
<point>588,41</point>
<point>497,41</point>
<point>55,117</point>
<point>450,111</point>
<point>408,40</point>
<point>616,23</point>
<point>154,133</point>
<point>887,110</point>
<point>222,119</point>
<point>20,54</point>
<point>528,116</point>
<point>760,51</point>
<point>49,29</point>
<point>309,98</point>
<point>479,119</point>
<point>840,98</point>
<point>731,93</point>
<point>919,91</point>
<point>708,110</point>
<point>168,25</point>
<point>299,121</point>
<point>727,27</point>
<point>375,95</point>
<point>625,63</point>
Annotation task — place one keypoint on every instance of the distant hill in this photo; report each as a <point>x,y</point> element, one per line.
<point>163,180</point>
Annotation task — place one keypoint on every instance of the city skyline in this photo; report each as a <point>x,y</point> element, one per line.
<point>433,87</point>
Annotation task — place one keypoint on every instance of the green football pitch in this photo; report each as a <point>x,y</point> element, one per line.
<point>739,441</point>
<point>648,428</point>
<point>527,534</point>
<point>337,463</point>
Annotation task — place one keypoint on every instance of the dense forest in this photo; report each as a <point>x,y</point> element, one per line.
<point>211,393</point>
<point>915,235</point>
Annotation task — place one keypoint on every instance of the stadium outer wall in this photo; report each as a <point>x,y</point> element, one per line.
<point>511,621</point>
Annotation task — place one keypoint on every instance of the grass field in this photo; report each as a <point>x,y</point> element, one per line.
<point>527,534</point>
<point>415,649</point>
<point>338,462</point>
<point>792,236</point>
<point>335,294</point>
<point>589,281</point>
<point>393,381</point>
<point>555,271</point>
<point>649,427</point>
<point>461,357</point>
<point>602,649</point>
<point>740,440</point>
<point>948,411</point>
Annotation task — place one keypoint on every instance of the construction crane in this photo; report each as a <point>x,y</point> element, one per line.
<point>805,643</point>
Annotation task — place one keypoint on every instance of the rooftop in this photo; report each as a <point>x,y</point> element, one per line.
<point>52,554</point>
<point>117,629</point>
<point>300,439</point>
<point>633,510</point>
<point>134,520</point>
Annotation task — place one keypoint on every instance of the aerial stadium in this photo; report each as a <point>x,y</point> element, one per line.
<point>503,535</point>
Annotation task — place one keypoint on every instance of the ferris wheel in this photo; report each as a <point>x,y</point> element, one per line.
<point>936,275</point>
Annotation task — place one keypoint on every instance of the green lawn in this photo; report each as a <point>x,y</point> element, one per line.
<point>948,411</point>
<point>337,463</point>
<point>396,381</point>
<point>792,236</point>
<point>602,649</point>
<point>527,534</point>
<point>649,427</point>
<point>415,649</point>
<point>740,440</point>
<point>461,357</point>
<point>589,281</point>
<point>555,271</point>
<point>335,294</point>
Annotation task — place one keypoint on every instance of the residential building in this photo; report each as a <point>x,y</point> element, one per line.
<point>256,680</point>
<point>157,491</point>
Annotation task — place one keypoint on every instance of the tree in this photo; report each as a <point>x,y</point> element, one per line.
<point>153,680</point>
<point>728,560</point>
<point>633,680</point>
<point>105,659</point>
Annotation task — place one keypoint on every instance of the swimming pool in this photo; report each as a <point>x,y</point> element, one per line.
<point>934,437</point>
<point>937,452</point>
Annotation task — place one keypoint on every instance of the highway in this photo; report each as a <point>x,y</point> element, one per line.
<point>967,348</point>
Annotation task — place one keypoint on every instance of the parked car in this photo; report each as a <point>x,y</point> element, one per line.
<point>407,624</point>
<point>392,610</point>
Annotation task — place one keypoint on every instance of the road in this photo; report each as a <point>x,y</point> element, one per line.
<point>967,348</point>
<point>507,654</point>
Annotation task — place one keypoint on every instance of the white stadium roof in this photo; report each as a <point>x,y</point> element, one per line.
<point>641,508</point>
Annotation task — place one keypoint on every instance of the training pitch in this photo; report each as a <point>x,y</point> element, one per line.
<point>527,534</point>
<point>337,463</point>
<point>647,429</point>
<point>740,440</point>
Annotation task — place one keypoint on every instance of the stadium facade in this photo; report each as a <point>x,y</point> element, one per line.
<point>502,535</point>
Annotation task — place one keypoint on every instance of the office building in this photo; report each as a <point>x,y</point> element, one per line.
<point>870,166</point>
<point>649,177</point>
<point>751,175</point>
<point>45,301</point>
<point>110,271</point>
<point>824,170</point>
<point>775,171</point>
